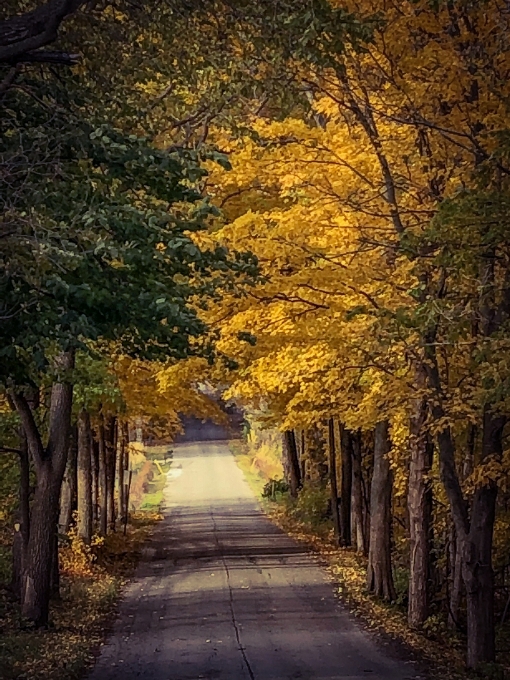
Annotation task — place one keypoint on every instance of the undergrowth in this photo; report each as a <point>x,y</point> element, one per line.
<point>91,582</point>
<point>307,519</point>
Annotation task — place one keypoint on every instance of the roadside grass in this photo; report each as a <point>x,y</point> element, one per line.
<point>439,651</point>
<point>259,466</point>
<point>91,584</point>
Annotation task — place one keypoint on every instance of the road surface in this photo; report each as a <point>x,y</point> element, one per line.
<point>222,594</point>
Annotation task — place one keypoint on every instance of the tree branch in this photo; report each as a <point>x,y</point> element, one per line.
<point>48,57</point>
<point>29,426</point>
<point>33,30</point>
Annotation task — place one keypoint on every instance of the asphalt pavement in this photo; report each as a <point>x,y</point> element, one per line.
<point>223,594</point>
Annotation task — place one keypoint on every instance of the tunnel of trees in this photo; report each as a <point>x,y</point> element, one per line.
<point>303,202</point>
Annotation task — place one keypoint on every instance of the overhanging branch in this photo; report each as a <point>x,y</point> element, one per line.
<point>28,32</point>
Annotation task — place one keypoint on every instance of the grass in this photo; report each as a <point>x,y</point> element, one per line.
<point>91,585</point>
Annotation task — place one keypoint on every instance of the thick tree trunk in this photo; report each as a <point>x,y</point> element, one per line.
<point>379,573</point>
<point>55,569</point>
<point>477,568</point>
<point>40,553</point>
<point>84,482</point>
<point>49,464</point>
<point>346,493</point>
<point>292,461</point>
<point>358,523</point>
<point>111,459</point>
<point>22,523</point>
<point>419,503</point>
<point>68,492</point>
<point>103,483</point>
<point>333,481</point>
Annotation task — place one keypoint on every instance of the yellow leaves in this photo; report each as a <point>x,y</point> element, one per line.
<point>492,471</point>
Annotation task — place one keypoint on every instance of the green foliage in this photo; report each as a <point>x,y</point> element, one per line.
<point>312,507</point>
<point>274,489</point>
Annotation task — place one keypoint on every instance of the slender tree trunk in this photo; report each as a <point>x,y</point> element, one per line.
<point>379,573</point>
<point>346,493</point>
<point>357,494</point>
<point>121,463</point>
<point>111,455</point>
<point>94,442</point>
<point>302,457</point>
<point>128,473</point>
<point>103,483</point>
<point>457,583</point>
<point>333,481</point>
<point>420,517</point>
<point>68,492</point>
<point>22,524</point>
<point>84,482</point>
<point>455,552</point>
<point>292,460</point>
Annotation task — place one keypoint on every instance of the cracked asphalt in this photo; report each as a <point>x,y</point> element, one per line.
<point>223,594</point>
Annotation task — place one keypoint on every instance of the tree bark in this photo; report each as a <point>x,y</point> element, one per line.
<point>455,552</point>
<point>22,524</point>
<point>121,462</point>
<point>315,447</point>
<point>294,471</point>
<point>346,493</point>
<point>84,482</point>
<point>333,481</point>
<point>419,503</point>
<point>477,568</point>
<point>379,573</point>
<point>111,459</point>
<point>33,30</point>
<point>94,449</point>
<point>49,465</point>
<point>68,492</point>
<point>357,495</point>
<point>103,479</point>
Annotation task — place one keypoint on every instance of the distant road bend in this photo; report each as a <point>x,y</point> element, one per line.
<point>222,594</point>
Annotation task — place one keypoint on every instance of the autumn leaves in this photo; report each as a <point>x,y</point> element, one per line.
<point>378,217</point>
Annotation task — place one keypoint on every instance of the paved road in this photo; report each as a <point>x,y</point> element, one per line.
<point>222,594</point>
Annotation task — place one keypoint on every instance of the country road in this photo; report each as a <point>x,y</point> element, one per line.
<point>222,594</point>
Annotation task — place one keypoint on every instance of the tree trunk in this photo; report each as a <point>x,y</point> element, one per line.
<point>379,573</point>
<point>419,503</point>
<point>22,524</point>
<point>315,447</point>
<point>84,482</point>
<point>333,481</point>
<point>94,449</point>
<point>346,493</point>
<point>49,465</point>
<point>103,483</point>
<point>292,459</point>
<point>455,551</point>
<point>121,466</point>
<point>40,552</point>
<point>68,492</point>
<point>55,569</point>
<point>111,459</point>
<point>357,494</point>
<point>477,569</point>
